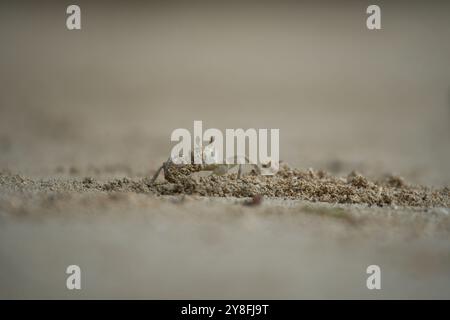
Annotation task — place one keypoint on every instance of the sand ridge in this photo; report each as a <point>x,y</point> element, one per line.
<point>288,183</point>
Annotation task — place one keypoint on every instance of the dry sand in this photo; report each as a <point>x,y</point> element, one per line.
<point>132,242</point>
<point>86,117</point>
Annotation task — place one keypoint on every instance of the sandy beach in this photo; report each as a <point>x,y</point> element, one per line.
<point>86,118</point>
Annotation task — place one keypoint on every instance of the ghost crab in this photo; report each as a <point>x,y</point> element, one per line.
<point>173,172</point>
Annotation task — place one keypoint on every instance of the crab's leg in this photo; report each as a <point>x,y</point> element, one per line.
<point>164,166</point>
<point>258,170</point>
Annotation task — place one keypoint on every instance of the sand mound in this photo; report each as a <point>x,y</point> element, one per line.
<point>287,183</point>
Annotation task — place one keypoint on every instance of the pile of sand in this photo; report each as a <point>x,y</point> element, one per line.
<point>310,185</point>
<point>287,183</point>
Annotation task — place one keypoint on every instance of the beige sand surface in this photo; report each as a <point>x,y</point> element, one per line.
<point>81,109</point>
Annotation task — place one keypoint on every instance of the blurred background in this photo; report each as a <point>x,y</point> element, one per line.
<point>104,100</point>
